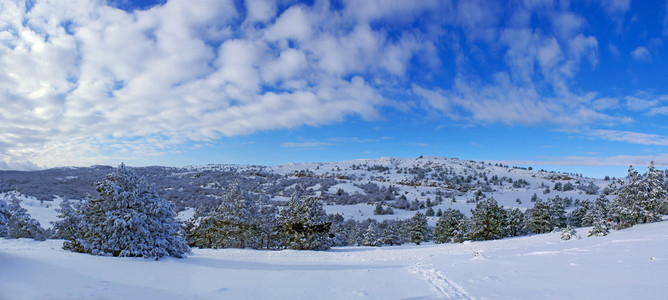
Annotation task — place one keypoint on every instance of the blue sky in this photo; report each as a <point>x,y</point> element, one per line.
<point>577,86</point>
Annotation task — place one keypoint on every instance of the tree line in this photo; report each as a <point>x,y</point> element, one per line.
<point>129,218</point>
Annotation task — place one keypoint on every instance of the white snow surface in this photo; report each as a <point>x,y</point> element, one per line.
<point>627,264</point>
<point>42,211</point>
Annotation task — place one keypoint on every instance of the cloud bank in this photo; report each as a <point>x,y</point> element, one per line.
<point>82,82</point>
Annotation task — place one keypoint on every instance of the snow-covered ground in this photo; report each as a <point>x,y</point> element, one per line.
<point>42,211</point>
<point>627,264</point>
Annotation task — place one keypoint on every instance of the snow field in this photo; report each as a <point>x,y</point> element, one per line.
<point>627,264</point>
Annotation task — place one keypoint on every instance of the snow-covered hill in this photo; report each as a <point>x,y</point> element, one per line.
<point>351,188</point>
<point>627,264</point>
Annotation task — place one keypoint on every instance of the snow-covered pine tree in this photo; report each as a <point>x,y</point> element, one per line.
<point>487,220</point>
<point>371,236</point>
<point>601,228</point>
<point>66,227</point>
<point>378,210</point>
<point>234,220</point>
<point>20,224</point>
<point>515,225</point>
<point>238,222</point>
<point>640,200</point>
<point>538,218</point>
<point>417,228</point>
<point>598,210</point>
<point>304,225</point>
<point>447,225</point>
<point>557,212</point>
<point>354,232</point>
<point>128,219</point>
<point>201,229</point>
<point>4,218</point>
<point>577,216</point>
<point>265,229</point>
<point>657,195</point>
<point>337,230</point>
<point>569,233</point>
<point>391,234</point>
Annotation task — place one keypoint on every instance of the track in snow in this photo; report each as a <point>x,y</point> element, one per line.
<point>448,288</point>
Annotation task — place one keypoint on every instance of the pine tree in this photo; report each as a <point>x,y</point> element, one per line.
<point>569,233</point>
<point>4,218</point>
<point>370,235</point>
<point>640,200</point>
<point>266,233</point>
<point>304,224</point>
<point>557,212</point>
<point>378,210</point>
<point>337,230</point>
<point>447,226</point>
<point>657,193</point>
<point>601,228</point>
<point>538,218</point>
<point>201,229</point>
<point>234,218</point>
<point>20,224</point>
<point>487,221</point>
<point>417,228</point>
<point>67,226</point>
<point>515,225</point>
<point>577,216</point>
<point>128,219</point>
<point>598,210</point>
<point>391,234</point>
<point>463,231</point>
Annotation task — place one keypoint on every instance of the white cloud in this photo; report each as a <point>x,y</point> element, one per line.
<point>82,82</point>
<point>260,10</point>
<point>616,7</point>
<point>605,103</point>
<point>641,54</point>
<point>292,24</point>
<point>567,24</point>
<point>630,137</point>
<point>639,104</point>
<point>534,85</point>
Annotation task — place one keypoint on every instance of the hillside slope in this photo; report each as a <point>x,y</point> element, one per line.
<point>351,188</point>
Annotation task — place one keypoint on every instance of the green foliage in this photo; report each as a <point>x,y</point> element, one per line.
<point>641,200</point>
<point>417,228</point>
<point>128,219</point>
<point>67,226</point>
<point>487,221</point>
<point>538,218</point>
<point>601,228</point>
<point>371,235</point>
<point>515,225</point>
<point>448,228</point>
<point>19,223</point>
<point>304,225</point>
<point>238,222</point>
<point>569,233</point>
